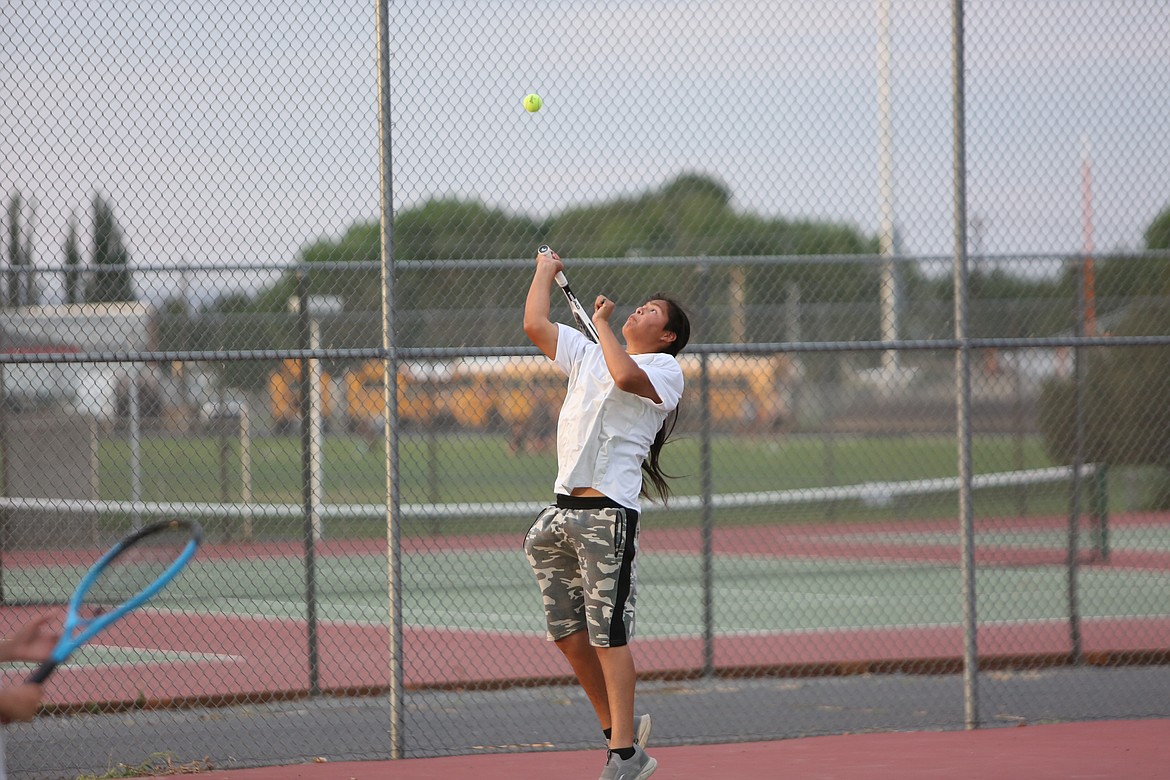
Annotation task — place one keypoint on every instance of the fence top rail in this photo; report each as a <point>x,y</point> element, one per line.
<point>425,353</point>
<point>503,263</point>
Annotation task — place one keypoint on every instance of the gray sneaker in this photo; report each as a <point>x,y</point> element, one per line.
<point>642,726</point>
<point>639,767</point>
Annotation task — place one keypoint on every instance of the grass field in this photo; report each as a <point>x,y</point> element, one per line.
<point>481,467</point>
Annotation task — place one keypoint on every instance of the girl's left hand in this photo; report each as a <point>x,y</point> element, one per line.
<point>602,309</point>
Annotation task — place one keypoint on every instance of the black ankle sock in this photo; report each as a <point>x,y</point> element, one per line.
<point>608,733</point>
<point>625,754</point>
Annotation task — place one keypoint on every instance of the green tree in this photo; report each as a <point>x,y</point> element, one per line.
<point>13,252</point>
<point>690,216</point>
<point>32,290</point>
<point>234,322</point>
<point>443,229</point>
<point>22,284</point>
<point>111,281</point>
<point>1158,233</point>
<point>1010,305</point>
<point>1127,389</point>
<point>424,237</point>
<point>73,285</point>
<point>1123,278</point>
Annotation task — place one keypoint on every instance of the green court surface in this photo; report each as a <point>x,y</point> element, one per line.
<point>493,590</point>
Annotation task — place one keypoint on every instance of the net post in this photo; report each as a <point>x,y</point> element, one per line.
<point>245,431</point>
<point>1099,507</point>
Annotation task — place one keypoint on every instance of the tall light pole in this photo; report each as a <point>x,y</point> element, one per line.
<point>888,279</point>
<point>1088,243</point>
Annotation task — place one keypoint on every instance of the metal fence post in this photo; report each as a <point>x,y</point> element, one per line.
<point>390,386</point>
<point>706,486</point>
<point>706,520</point>
<point>963,378</point>
<point>308,497</point>
<point>1075,486</point>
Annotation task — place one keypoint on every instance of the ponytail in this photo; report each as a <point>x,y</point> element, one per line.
<point>678,324</point>
<point>651,467</point>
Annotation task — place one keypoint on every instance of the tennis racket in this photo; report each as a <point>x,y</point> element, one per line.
<point>584,321</point>
<point>131,573</point>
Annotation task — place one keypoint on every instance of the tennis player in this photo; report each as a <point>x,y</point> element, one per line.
<point>612,427</point>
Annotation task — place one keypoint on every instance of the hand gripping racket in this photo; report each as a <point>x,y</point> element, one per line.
<point>584,321</point>
<point>130,574</point>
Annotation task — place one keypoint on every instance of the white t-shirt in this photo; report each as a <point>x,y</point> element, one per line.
<point>603,433</point>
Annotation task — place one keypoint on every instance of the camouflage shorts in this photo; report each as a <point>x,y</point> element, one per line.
<point>584,561</point>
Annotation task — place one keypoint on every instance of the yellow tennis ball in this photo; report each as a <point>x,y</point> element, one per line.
<point>532,103</point>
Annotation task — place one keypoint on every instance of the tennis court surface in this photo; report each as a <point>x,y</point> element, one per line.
<point>1136,750</point>
<point>795,599</point>
<point>848,629</point>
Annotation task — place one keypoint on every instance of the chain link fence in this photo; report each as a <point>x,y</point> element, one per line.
<point>920,455</point>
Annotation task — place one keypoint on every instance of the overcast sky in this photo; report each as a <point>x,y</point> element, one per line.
<point>243,131</point>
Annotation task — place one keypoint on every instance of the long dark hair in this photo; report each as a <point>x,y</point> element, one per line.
<point>678,324</point>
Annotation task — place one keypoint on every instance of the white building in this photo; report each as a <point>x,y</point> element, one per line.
<point>87,388</point>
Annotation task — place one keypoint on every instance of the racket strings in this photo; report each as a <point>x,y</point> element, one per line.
<point>134,569</point>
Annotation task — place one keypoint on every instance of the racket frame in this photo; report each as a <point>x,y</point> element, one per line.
<point>78,630</point>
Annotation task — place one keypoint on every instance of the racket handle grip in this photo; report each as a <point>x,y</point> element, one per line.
<point>560,277</point>
<point>42,672</point>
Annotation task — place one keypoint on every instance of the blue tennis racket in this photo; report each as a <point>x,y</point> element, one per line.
<point>133,572</point>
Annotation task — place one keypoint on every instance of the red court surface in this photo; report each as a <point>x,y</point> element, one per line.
<point>1133,750</point>
<point>233,658</point>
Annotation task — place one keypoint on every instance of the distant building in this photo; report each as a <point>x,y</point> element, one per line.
<point>87,388</point>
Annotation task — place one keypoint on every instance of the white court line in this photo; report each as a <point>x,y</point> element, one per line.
<point>353,623</point>
<point>162,657</point>
<point>684,632</point>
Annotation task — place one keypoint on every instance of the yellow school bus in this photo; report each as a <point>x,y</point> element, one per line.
<point>422,388</point>
<point>519,395</point>
<point>522,395</point>
<point>284,390</point>
<point>747,392</point>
